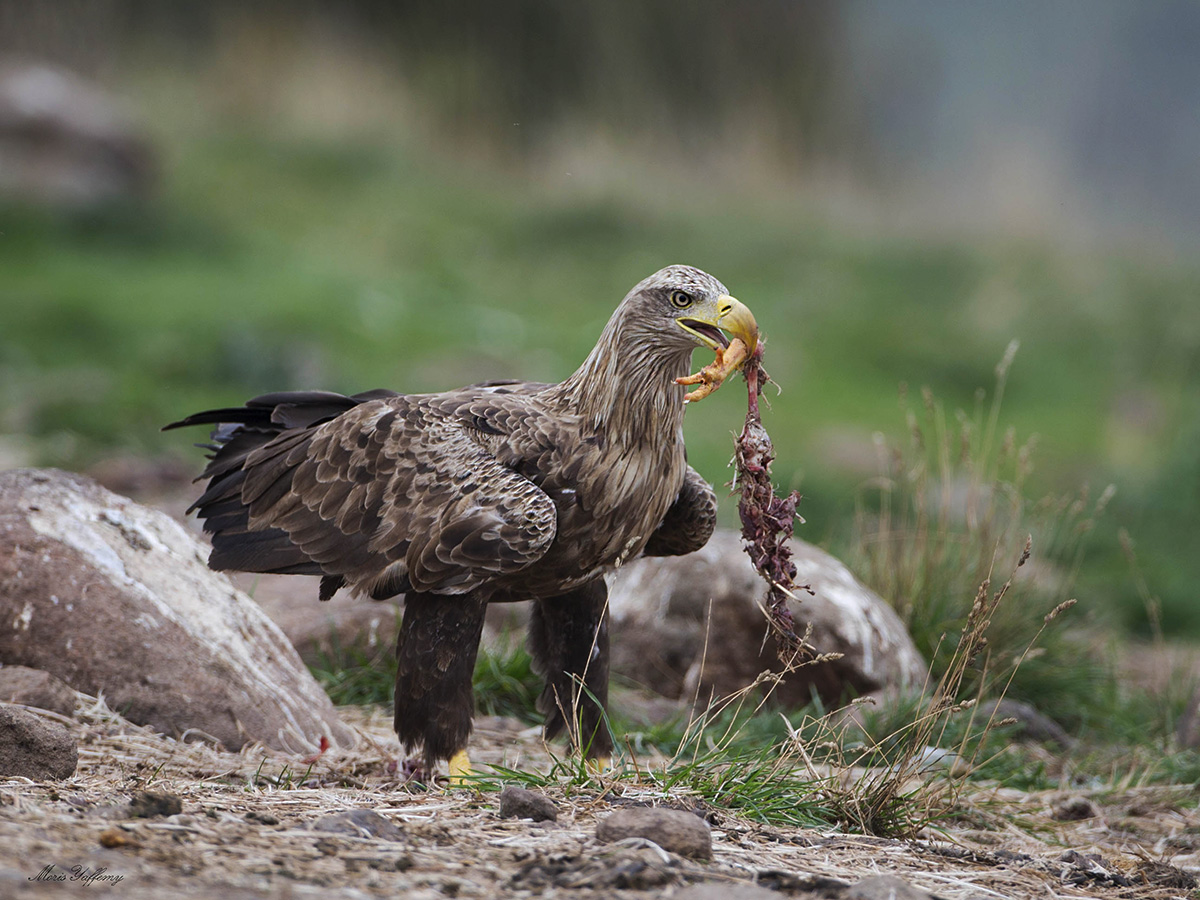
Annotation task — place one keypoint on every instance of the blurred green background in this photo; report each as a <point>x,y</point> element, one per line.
<point>416,196</point>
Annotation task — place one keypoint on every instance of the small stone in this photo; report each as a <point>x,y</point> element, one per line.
<point>672,829</point>
<point>363,823</point>
<point>1074,809</point>
<point>885,887</point>
<point>35,748</point>
<point>262,817</point>
<point>151,804</point>
<point>519,803</point>
<point>789,883</point>
<point>35,687</point>
<point>397,864</point>
<point>112,838</point>
<point>726,891</point>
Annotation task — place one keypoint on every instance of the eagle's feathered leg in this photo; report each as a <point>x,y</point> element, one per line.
<point>568,640</point>
<point>435,655</point>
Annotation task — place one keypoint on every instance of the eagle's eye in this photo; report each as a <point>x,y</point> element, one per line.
<point>681,299</point>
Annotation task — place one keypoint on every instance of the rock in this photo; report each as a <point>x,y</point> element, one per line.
<point>603,872</point>
<point>661,616</point>
<point>65,142</point>
<point>151,804</point>
<point>116,599</point>
<point>34,687</point>
<point>726,891</point>
<point>810,887</point>
<point>33,747</point>
<point>115,838</point>
<point>364,823</point>
<point>672,829</point>
<point>885,887</point>
<point>1074,809</point>
<point>519,803</point>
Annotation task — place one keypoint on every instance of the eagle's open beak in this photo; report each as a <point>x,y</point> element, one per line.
<point>732,316</point>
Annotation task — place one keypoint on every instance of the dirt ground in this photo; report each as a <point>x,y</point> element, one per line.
<point>245,831</point>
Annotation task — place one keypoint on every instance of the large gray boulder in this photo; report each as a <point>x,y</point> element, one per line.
<point>689,624</point>
<point>116,599</point>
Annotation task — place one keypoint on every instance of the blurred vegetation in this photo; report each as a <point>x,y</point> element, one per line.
<point>280,262</point>
<point>317,226</point>
<point>508,80</point>
<point>937,531</point>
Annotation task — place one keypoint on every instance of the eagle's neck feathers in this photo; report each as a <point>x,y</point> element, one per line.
<point>625,390</point>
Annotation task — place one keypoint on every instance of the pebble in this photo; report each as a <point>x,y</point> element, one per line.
<point>519,803</point>
<point>885,887</point>
<point>672,829</point>
<point>151,804</point>
<point>33,747</point>
<point>726,891</point>
<point>363,823</point>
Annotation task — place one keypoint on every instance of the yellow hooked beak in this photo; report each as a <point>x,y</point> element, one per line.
<point>726,314</point>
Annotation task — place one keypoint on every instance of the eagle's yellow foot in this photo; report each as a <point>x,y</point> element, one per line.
<point>729,360</point>
<point>598,765</point>
<point>460,769</point>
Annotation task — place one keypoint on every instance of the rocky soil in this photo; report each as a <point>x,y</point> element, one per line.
<point>147,816</point>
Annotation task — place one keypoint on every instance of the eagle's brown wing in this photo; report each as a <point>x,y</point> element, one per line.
<point>390,495</point>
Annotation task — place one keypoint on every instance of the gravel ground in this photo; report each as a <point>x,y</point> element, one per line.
<point>246,829</point>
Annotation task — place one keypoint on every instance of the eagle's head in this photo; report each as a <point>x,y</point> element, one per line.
<point>684,308</point>
<point>634,373</point>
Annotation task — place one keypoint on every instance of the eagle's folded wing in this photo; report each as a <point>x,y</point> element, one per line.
<point>689,521</point>
<point>391,495</point>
